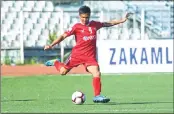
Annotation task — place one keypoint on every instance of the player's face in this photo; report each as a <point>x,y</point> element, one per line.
<point>84,18</point>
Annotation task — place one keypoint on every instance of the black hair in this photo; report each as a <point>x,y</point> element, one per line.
<point>84,9</point>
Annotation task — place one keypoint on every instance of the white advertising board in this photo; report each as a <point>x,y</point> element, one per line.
<point>135,56</point>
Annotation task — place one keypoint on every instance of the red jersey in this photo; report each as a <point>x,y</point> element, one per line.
<point>85,36</point>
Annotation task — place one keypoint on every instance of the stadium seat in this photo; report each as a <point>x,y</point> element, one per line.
<point>14,28</point>
<point>33,35</point>
<point>44,32</point>
<point>11,15</point>
<point>16,22</point>
<point>15,44</point>
<point>2,21</point>
<point>114,34</point>
<point>48,6</point>
<point>3,38</point>
<point>26,32</point>
<point>7,3</point>
<point>45,15</point>
<point>52,21</point>
<point>18,36</point>
<point>10,37</point>
<point>75,20</point>
<point>125,30</point>
<point>5,44</point>
<point>123,36</point>
<point>17,6</point>
<point>103,34</point>
<point>34,16</point>
<point>18,15</point>
<point>40,43</point>
<point>56,8</point>
<point>146,36</point>
<point>5,6</point>
<point>2,16</point>
<point>42,37</point>
<point>25,15</point>
<point>38,6</point>
<point>51,27</point>
<point>29,43</point>
<point>27,26</point>
<point>38,27</point>
<point>135,36</point>
<point>3,30</point>
<point>66,20</point>
<point>28,5</point>
<point>55,16</point>
<point>9,18</point>
<point>27,21</point>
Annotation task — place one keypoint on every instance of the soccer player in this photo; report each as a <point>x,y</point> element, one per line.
<point>84,52</point>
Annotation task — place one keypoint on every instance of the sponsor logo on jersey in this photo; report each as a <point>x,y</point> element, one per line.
<point>82,30</point>
<point>92,37</point>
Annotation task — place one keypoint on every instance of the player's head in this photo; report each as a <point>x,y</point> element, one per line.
<point>84,13</point>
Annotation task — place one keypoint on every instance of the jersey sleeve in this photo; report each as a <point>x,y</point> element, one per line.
<point>98,24</point>
<point>70,31</point>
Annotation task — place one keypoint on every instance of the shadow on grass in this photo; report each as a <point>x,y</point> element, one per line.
<point>19,100</point>
<point>127,103</point>
<point>110,103</point>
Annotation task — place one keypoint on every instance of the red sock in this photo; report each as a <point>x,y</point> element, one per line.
<point>97,85</point>
<point>58,65</point>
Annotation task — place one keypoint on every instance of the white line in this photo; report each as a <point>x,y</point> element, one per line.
<point>129,110</point>
<point>105,74</point>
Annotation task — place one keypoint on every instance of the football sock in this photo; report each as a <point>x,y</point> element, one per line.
<point>97,85</point>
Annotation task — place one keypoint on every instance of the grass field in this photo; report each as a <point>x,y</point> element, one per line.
<point>129,93</point>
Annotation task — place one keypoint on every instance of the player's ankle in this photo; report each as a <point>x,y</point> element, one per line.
<point>96,95</point>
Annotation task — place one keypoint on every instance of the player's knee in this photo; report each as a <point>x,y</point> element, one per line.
<point>96,74</point>
<point>63,71</point>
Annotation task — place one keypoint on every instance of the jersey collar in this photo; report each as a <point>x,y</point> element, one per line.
<point>87,24</point>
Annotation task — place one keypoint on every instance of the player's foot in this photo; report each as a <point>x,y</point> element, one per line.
<point>100,99</point>
<point>50,62</point>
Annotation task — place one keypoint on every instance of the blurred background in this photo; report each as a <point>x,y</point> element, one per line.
<point>27,26</point>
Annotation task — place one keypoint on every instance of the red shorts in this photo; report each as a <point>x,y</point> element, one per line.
<point>75,61</point>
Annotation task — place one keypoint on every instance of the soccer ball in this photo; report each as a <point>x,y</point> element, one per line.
<point>78,97</point>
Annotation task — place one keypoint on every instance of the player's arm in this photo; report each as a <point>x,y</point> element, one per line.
<point>67,33</point>
<point>116,22</point>
<point>56,41</point>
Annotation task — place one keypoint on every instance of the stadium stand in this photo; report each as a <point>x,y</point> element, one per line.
<point>39,16</point>
<point>33,20</point>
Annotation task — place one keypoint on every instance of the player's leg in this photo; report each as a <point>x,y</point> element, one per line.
<point>61,67</point>
<point>50,62</point>
<point>64,68</point>
<point>95,71</point>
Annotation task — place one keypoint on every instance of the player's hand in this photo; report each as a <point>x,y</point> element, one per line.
<point>47,47</point>
<point>128,15</point>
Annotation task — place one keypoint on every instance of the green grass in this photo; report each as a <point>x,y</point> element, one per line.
<point>129,93</point>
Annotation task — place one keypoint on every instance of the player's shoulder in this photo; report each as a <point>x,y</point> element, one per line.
<point>76,24</point>
<point>95,22</point>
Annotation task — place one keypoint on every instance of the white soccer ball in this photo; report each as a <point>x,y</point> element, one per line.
<point>78,97</point>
